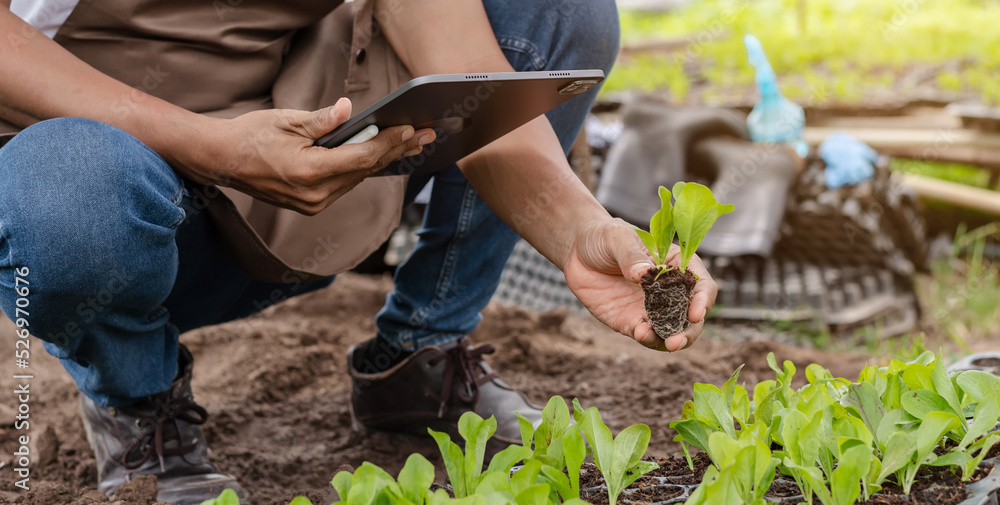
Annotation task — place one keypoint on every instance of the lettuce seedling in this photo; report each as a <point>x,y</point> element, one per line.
<point>366,486</point>
<point>755,467</point>
<point>228,497</point>
<point>465,469</point>
<point>618,458</point>
<point>713,409</point>
<point>690,217</point>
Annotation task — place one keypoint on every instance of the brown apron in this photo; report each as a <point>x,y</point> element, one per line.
<point>228,57</point>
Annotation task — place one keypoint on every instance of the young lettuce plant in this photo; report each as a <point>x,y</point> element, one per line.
<point>619,458</point>
<point>668,290</point>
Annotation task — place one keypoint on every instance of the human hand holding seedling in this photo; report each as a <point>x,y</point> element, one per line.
<point>669,289</point>
<point>604,269</point>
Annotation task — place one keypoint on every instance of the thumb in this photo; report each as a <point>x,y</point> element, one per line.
<point>633,259</point>
<point>323,121</point>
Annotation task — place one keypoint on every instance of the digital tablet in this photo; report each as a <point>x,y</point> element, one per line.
<point>467,111</point>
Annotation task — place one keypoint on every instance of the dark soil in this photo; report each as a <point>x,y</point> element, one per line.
<point>668,299</point>
<point>277,392</point>
<point>654,494</point>
<point>987,362</point>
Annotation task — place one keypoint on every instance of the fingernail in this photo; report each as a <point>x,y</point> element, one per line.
<point>412,152</point>
<point>343,102</point>
<point>425,139</point>
<point>684,344</point>
<point>704,314</point>
<point>407,133</point>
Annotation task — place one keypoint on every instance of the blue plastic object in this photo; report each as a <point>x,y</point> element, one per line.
<point>848,160</point>
<point>774,119</point>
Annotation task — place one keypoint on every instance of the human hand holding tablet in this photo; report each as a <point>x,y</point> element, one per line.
<point>467,111</point>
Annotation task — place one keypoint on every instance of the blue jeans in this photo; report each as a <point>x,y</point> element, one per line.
<point>121,260</point>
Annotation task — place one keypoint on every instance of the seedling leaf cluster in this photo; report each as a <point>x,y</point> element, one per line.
<point>550,456</point>
<point>840,441</point>
<point>690,216</point>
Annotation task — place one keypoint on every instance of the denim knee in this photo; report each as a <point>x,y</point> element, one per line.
<point>592,32</point>
<point>556,34</point>
<point>92,213</point>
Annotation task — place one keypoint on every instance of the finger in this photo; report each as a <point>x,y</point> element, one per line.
<point>323,121</point>
<point>686,338</point>
<point>645,335</point>
<point>704,293</point>
<point>630,253</point>
<point>388,146</point>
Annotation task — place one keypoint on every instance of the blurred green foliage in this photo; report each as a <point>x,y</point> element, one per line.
<point>845,50</point>
<point>954,172</point>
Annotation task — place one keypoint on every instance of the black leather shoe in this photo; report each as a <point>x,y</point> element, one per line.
<point>432,388</point>
<point>158,436</point>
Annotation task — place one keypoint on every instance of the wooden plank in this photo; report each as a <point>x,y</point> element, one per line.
<point>902,137</point>
<point>907,122</point>
<point>943,144</point>
<point>960,195</point>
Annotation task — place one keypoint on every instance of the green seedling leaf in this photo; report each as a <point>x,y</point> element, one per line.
<point>599,436</point>
<point>416,477</point>
<point>342,483</point>
<point>978,384</point>
<point>692,432</point>
<point>945,388</point>
<point>918,403</point>
<point>918,376</point>
<point>925,358</point>
<point>298,500</point>
<point>661,229</point>
<point>526,477</point>
<point>985,418</point>
<point>555,419</point>
<point>810,480</point>
<point>454,462</point>
<point>897,453</point>
<point>927,436</point>
<point>537,494</point>
<point>577,411</point>
<point>894,421</point>
<point>495,483</point>
<point>504,460</point>
<point>476,431</point>
<point>649,241</point>
<point>720,489</point>
<point>629,447</point>
<point>527,430</point>
<point>894,390</point>
<point>694,213</point>
<point>852,427</point>
<point>864,400</point>
<point>574,452</point>
<point>557,480</point>
<point>712,408</point>
<point>662,226</point>
<point>853,466</point>
<point>227,497</point>
<point>365,485</point>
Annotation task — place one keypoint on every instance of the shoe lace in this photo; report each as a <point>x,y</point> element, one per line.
<point>169,408</point>
<point>462,362</point>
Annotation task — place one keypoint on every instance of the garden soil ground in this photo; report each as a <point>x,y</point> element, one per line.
<point>277,391</point>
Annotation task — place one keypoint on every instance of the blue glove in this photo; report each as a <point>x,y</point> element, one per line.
<point>848,160</point>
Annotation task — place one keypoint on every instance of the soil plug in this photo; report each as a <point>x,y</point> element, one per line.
<point>667,289</point>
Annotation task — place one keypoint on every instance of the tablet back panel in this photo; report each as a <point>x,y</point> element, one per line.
<point>468,111</point>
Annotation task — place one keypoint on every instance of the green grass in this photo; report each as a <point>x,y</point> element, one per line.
<point>848,48</point>
<point>954,172</point>
<point>964,291</point>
